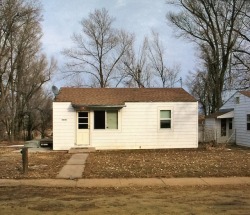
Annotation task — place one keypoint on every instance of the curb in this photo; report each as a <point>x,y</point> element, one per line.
<point>127,182</point>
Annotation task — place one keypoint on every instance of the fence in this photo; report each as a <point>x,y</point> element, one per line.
<point>210,134</point>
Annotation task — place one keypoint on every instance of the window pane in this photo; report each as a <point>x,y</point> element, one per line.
<point>112,119</point>
<point>82,120</point>
<point>165,123</point>
<point>248,126</point>
<point>82,126</point>
<point>248,117</point>
<point>99,119</point>
<point>165,114</point>
<point>82,114</point>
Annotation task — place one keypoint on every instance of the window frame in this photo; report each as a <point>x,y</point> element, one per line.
<point>106,119</point>
<point>237,100</point>
<point>171,119</point>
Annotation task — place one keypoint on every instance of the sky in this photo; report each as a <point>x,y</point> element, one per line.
<point>61,18</point>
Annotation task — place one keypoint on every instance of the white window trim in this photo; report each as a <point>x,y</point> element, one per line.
<point>159,119</point>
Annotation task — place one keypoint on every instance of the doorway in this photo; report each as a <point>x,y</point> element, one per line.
<point>82,128</point>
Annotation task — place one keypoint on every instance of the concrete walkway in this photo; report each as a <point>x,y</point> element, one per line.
<point>129,182</point>
<point>74,167</point>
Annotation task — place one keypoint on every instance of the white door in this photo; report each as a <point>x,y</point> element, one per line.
<point>82,128</point>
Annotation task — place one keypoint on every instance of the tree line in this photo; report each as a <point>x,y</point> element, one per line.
<point>24,69</point>
<point>105,56</point>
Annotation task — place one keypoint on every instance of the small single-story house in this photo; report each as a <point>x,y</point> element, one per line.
<point>124,118</point>
<point>232,122</point>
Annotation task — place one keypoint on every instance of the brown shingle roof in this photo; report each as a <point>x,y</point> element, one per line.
<point>118,96</point>
<point>245,93</point>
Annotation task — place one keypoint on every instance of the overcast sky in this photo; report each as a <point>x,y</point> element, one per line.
<point>62,18</point>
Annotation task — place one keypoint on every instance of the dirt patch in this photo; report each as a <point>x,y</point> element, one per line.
<point>167,163</point>
<point>41,164</point>
<point>146,200</point>
<point>206,161</point>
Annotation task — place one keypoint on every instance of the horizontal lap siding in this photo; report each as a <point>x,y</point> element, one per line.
<point>139,128</point>
<point>64,126</point>
<point>240,113</point>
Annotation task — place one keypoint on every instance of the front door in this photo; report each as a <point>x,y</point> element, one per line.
<point>82,128</point>
<point>223,127</point>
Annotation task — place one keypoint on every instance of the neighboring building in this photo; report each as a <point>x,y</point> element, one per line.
<point>232,122</point>
<point>124,118</point>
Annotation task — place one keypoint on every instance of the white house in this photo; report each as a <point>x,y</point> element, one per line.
<point>232,122</point>
<point>124,118</point>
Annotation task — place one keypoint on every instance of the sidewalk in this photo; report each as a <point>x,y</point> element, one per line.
<point>130,182</point>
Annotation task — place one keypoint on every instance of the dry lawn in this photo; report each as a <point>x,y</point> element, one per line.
<point>206,161</point>
<point>203,162</point>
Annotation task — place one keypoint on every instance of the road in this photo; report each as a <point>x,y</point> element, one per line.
<point>132,200</point>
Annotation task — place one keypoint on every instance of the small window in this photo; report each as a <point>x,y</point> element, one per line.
<point>237,100</point>
<point>106,119</point>
<point>248,122</point>
<point>165,119</point>
<point>83,121</point>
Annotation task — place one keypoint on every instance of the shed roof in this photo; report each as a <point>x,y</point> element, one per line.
<point>118,96</point>
<point>246,93</point>
<point>220,113</point>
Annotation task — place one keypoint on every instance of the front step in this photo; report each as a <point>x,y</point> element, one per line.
<point>81,150</point>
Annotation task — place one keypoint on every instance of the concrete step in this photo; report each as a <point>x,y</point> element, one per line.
<point>79,149</point>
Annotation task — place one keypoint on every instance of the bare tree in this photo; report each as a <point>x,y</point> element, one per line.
<point>136,67</point>
<point>167,76</point>
<point>99,48</point>
<point>23,68</point>
<point>213,25</point>
<point>198,85</point>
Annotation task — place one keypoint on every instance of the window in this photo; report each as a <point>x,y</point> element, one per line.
<point>83,121</point>
<point>237,100</point>
<point>248,122</point>
<point>230,123</point>
<point>106,119</point>
<point>165,119</point>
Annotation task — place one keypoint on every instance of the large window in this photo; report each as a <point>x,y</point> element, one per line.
<point>106,119</point>
<point>165,119</point>
<point>248,122</point>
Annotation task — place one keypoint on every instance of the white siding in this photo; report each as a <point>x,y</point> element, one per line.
<point>139,128</point>
<point>240,119</point>
<point>64,126</point>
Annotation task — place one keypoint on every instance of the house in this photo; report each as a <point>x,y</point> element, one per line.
<point>232,122</point>
<point>124,118</point>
